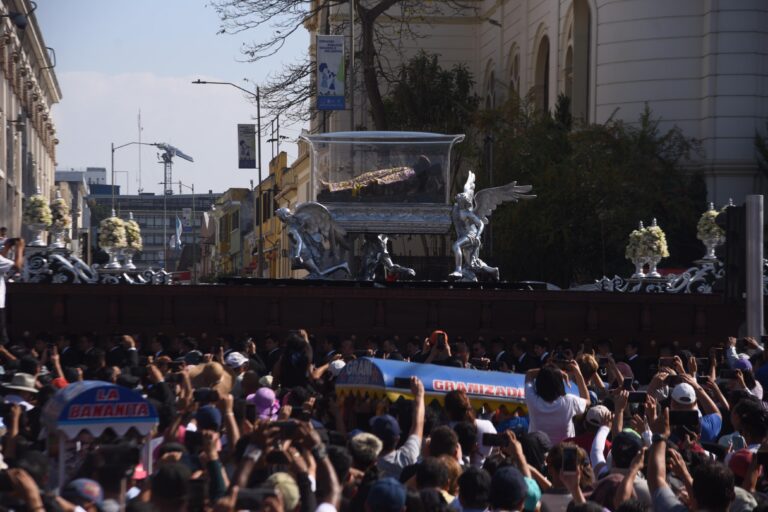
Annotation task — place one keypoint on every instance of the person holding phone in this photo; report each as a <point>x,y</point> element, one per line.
<point>392,460</point>
<point>690,396</point>
<point>550,409</point>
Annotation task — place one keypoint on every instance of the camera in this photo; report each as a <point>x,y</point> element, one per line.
<point>205,395</point>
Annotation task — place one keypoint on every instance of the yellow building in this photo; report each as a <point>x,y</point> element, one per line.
<point>232,215</point>
<point>28,90</point>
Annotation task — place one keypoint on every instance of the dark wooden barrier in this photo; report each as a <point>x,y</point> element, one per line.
<point>276,307</point>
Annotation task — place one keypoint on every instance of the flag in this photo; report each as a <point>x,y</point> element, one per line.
<point>179,228</point>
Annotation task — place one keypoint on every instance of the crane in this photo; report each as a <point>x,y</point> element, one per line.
<point>166,158</point>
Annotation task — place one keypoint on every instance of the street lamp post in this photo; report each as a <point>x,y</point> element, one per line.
<point>115,148</point>
<point>257,97</point>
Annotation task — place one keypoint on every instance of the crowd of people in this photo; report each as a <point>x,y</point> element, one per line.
<point>256,424</point>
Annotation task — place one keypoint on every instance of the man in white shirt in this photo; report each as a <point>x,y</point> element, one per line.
<point>6,265</point>
<point>392,461</point>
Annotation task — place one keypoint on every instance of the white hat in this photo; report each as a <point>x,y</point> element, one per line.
<point>23,382</point>
<point>598,415</point>
<point>235,360</point>
<point>336,366</point>
<point>266,381</point>
<point>684,394</point>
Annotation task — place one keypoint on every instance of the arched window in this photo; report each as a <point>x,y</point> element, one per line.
<point>513,67</point>
<point>577,60</point>
<point>490,86</point>
<point>541,87</point>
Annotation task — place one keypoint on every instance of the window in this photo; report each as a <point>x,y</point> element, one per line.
<point>235,220</point>
<point>490,85</point>
<point>541,87</point>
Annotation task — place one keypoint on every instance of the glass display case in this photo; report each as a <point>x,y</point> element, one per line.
<point>381,167</point>
<point>387,182</point>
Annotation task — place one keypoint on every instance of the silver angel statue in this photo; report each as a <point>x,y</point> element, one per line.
<point>470,215</point>
<point>317,242</point>
<point>376,254</point>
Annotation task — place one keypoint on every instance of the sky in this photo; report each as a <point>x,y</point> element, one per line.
<point>116,58</point>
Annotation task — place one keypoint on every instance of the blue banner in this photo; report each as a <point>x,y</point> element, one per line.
<point>377,377</point>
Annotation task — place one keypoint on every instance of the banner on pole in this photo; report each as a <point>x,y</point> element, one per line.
<point>246,148</point>
<point>330,72</point>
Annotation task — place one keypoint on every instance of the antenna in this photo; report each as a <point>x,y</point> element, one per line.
<point>167,159</point>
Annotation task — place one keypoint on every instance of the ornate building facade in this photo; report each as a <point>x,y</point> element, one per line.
<point>28,90</point>
<point>699,64</point>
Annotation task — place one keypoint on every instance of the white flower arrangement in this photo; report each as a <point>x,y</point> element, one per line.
<point>133,235</point>
<point>60,213</point>
<point>37,211</point>
<point>707,228</point>
<point>112,233</point>
<point>655,241</point>
<point>650,242</point>
<point>634,249</point>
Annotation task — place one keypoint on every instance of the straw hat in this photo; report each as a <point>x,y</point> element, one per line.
<point>211,375</point>
<point>23,382</point>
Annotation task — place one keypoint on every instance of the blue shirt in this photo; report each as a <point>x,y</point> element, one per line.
<point>710,427</point>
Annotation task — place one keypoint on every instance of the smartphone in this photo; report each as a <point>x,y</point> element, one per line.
<point>728,374</point>
<point>603,361</point>
<point>253,499</point>
<point>494,440</point>
<point>762,458</point>
<point>561,363</point>
<point>301,414</point>
<point>198,494</point>
<point>627,384</point>
<point>5,482</point>
<point>674,380</point>
<point>441,341</point>
<point>402,382</point>
<point>637,397</point>
<point>701,380</point>
<point>719,357</point>
<point>569,459</point>
<point>702,365</point>
<point>176,366</point>
<point>205,395</point>
<point>287,428</point>
<point>478,361</point>
<point>193,441</point>
<point>666,362</point>
<point>250,412</point>
<point>684,418</point>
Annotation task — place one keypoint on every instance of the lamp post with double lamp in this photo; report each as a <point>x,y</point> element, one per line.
<point>258,213</point>
<point>115,148</point>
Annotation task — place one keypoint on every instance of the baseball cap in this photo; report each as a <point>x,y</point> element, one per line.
<point>740,462</point>
<point>209,418</point>
<point>598,415</point>
<point>508,488</point>
<point>266,403</point>
<point>385,427</point>
<point>336,366</point>
<point>83,491</point>
<point>386,495</point>
<point>742,364</point>
<point>235,360</point>
<point>533,496</point>
<point>684,394</point>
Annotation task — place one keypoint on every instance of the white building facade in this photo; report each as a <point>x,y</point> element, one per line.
<point>699,64</point>
<point>28,90</point>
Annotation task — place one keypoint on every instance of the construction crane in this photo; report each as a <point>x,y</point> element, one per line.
<point>166,158</point>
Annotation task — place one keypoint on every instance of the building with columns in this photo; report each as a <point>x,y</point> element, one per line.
<point>28,90</point>
<point>701,65</point>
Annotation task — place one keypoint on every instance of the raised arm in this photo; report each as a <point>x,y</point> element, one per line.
<point>417,425</point>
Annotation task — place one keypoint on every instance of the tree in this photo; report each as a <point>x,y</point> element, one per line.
<point>427,97</point>
<point>593,186</point>
<point>289,90</point>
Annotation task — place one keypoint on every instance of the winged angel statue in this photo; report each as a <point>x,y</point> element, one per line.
<point>470,215</point>
<point>318,244</point>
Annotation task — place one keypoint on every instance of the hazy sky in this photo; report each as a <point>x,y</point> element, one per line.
<point>114,58</point>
